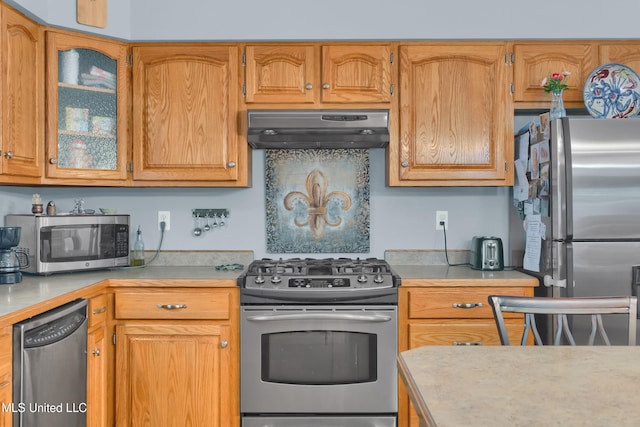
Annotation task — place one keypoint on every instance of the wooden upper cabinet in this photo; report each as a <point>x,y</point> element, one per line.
<point>87,110</point>
<point>22,62</point>
<point>185,115</point>
<point>455,116</point>
<point>280,74</point>
<point>532,62</point>
<point>313,73</point>
<point>627,53</point>
<point>353,73</point>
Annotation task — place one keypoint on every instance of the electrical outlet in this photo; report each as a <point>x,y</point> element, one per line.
<point>442,216</point>
<point>166,217</point>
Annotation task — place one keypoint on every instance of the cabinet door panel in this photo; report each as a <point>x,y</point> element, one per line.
<point>455,115</point>
<point>280,74</point>
<point>352,73</point>
<point>534,62</point>
<point>184,111</point>
<point>23,96</point>
<point>6,391</point>
<point>627,53</point>
<point>171,374</point>
<point>97,378</point>
<point>79,150</point>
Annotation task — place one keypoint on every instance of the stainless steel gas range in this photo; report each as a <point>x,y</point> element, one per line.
<point>319,343</point>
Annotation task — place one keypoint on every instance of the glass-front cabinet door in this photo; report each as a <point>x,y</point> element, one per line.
<point>86,110</point>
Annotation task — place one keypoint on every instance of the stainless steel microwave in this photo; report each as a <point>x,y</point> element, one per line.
<point>64,243</point>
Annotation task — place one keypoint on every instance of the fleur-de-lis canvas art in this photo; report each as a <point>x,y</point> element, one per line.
<point>317,201</point>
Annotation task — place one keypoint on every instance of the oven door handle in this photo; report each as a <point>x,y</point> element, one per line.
<point>321,316</point>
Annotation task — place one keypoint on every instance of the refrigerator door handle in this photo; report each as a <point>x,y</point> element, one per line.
<point>561,208</point>
<point>568,177</point>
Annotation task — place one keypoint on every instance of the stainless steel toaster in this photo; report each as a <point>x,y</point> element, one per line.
<point>487,253</point>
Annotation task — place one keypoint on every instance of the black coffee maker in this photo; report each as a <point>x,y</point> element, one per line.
<point>11,259</point>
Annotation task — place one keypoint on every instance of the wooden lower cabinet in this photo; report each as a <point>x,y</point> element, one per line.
<point>180,371</point>
<point>450,315</point>
<point>6,396</point>
<point>97,363</point>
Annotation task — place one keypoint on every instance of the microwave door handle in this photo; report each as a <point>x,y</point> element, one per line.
<point>320,316</point>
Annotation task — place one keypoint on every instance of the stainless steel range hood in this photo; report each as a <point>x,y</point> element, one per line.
<point>294,129</point>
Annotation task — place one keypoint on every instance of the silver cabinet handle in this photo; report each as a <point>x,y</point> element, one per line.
<point>172,306</point>
<point>470,305</point>
<point>8,154</point>
<point>99,310</point>
<point>96,352</point>
<point>231,164</point>
<point>404,164</point>
<point>325,86</point>
<point>466,343</point>
<point>308,86</point>
<point>53,160</point>
<point>224,344</point>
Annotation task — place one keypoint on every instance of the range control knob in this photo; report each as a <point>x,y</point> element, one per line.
<point>378,278</point>
<point>276,279</point>
<point>259,279</point>
<point>362,278</point>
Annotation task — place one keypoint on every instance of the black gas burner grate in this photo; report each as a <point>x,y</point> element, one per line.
<point>317,267</point>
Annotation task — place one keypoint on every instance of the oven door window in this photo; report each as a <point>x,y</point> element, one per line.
<point>319,357</point>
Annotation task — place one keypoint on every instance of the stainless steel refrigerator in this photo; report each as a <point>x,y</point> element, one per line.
<point>583,201</point>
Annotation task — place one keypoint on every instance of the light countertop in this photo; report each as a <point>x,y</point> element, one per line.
<point>523,386</point>
<point>35,290</point>
<point>443,275</point>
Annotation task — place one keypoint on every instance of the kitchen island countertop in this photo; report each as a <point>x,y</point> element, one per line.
<point>523,386</point>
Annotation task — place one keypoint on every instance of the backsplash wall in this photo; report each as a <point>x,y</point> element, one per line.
<point>401,218</point>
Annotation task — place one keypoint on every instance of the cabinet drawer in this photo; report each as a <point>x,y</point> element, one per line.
<point>97,310</point>
<point>461,332</point>
<point>457,303</point>
<point>173,304</point>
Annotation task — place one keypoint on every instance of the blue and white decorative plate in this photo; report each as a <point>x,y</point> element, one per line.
<point>612,91</point>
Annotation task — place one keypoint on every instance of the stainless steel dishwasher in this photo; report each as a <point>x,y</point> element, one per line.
<point>50,368</point>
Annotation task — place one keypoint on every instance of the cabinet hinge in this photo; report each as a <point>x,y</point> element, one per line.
<point>114,337</point>
<point>244,90</point>
<point>392,89</point>
<point>509,58</point>
<point>244,59</point>
<point>130,166</point>
<point>391,58</point>
<point>506,165</point>
<point>129,60</point>
<point>513,58</point>
<point>512,88</point>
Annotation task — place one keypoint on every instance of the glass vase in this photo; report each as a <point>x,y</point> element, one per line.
<point>557,105</point>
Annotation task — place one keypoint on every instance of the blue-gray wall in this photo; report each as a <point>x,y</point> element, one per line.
<point>352,19</point>
<point>401,218</point>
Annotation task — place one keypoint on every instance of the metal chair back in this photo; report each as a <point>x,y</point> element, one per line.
<point>560,309</point>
